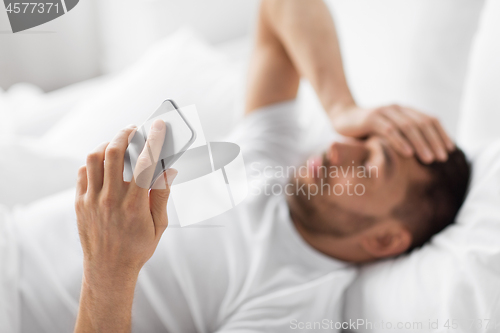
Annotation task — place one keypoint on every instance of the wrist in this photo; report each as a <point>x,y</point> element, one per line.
<point>105,304</point>
<point>108,294</point>
<point>110,280</point>
<point>340,108</point>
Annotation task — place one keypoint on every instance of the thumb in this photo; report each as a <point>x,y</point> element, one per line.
<point>158,198</point>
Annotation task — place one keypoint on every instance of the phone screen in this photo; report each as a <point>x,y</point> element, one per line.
<point>178,138</point>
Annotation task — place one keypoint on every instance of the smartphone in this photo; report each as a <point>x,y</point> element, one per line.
<point>179,136</point>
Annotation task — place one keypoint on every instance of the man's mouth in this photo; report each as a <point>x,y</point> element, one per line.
<point>317,165</point>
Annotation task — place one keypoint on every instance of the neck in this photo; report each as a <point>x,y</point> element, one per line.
<point>341,248</point>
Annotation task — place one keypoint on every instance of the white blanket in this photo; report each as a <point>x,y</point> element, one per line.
<point>9,297</point>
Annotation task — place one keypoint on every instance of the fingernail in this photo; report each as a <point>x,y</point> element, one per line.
<point>131,126</point>
<point>170,174</point>
<point>158,125</point>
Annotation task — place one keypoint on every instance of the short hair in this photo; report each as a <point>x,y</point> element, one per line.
<point>431,206</point>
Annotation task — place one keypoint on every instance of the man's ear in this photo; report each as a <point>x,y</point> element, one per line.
<point>386,239</point>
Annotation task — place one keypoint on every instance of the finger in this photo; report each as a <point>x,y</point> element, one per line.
<point>387,129</point>
<point>401,121</point>
<point>429,149</point>
<point>147,160</point>
<point>437,144</point>
<point>428,128</point>
<point>81,181</point>
<point>115,155</point>
<point>95,169</point>
<point>444,136</point>
<point>158,197</point>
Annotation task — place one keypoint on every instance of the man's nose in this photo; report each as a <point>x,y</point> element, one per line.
<point>346,153</point>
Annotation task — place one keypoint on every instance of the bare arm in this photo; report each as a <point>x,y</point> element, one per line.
<point>298,38</point>
<point>307,31</point>
<point>106,307</point>
<point>272,76</point>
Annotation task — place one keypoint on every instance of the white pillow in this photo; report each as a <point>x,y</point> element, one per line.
<point>412,52</point>
<point>181,67</point>
<point>480,117</point>
<point>453,280</point>
<point>27,111</point>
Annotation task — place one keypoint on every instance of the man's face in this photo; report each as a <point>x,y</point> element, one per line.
<point>352,178</point>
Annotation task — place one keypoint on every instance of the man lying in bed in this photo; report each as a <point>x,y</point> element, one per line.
<point>275,262</point>
<point>257,273</point>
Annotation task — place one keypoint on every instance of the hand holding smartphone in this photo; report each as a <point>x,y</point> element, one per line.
<point>179,136</point>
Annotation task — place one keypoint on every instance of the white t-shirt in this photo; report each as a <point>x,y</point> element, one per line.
<point>247,270</point>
